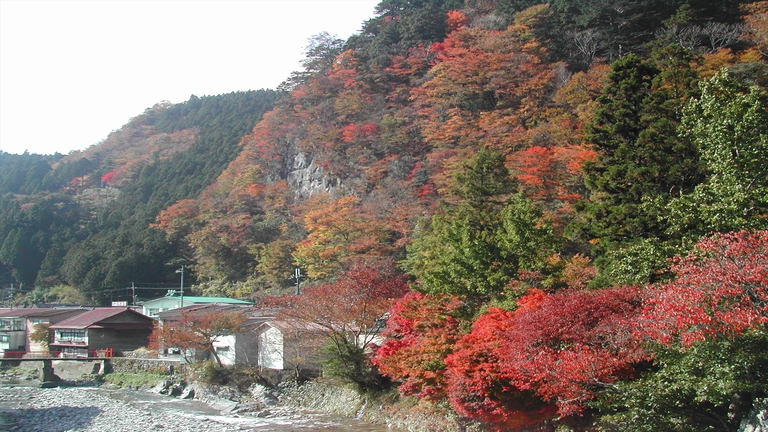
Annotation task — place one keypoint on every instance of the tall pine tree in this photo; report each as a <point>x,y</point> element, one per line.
<point>640,158</point>
<point>479,242</point>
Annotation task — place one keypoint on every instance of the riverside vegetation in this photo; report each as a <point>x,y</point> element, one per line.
<point>561,209</point>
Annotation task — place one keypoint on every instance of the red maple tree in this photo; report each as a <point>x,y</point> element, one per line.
<point>720,290</point>
<point>421,332</point>
<point>350,309</point>
<point>563,349</point>
<point>574,345</point>
<point>479,388</point>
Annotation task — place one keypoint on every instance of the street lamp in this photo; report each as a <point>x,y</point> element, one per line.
<point>181,270</point>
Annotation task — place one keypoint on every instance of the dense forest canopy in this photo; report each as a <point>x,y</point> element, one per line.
<point>84,220</point>
<point>519,161</point>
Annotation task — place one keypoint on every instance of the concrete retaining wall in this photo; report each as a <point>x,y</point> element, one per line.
<point>68,370</point>
<point>134,365</point>
<point>71,370</point>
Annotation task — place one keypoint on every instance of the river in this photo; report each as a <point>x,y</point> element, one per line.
<point>28,408</point>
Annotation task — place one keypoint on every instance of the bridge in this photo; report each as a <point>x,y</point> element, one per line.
<point>46,359</point>
<point>56,355</point>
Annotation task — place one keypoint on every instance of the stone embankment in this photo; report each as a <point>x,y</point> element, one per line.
<point>397,414</point>
<point>325,397</point>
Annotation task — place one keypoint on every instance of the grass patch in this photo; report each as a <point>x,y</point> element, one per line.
<point>15,371</point>
<point>134,379</point>
<point>240,377</point>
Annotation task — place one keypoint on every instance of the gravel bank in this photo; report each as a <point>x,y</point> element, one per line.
<point>31,409</point>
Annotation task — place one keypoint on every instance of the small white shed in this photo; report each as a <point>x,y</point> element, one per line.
<point>290,344</point>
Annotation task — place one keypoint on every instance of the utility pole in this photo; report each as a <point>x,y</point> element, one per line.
<point>298,276</point>
<point>133,293</point>
<point>181,270</point>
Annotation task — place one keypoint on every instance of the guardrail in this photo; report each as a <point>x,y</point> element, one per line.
<point>55,354</point>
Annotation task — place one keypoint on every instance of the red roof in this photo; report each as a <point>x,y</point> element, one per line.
<point>36,312</point>
<point>94,318</point>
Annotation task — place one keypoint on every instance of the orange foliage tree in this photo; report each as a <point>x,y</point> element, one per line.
<point>349,312</point>
<point>756,20</point>
<point>340,230</point>
<point>484,85</point>
<point>197,330</point>
<point>421,332</point>
<point>479,388</point>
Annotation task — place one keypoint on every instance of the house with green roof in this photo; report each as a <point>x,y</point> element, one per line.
<point>173,300</point>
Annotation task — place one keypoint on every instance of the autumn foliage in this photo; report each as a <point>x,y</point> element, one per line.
<point>197,330</point>
<point>605,149</point>
<point>574,345</point>
<point>421,332</point>
<point>346,316</point>
<point>479,387</point>
<point>557,352</point>
<point>352,305</point>
<point>721,290</point>
<point>562,349</point>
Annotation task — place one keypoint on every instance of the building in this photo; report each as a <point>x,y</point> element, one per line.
<point>153,307</point>
<point>290,344</point>
<point>115,328</point>
<point>16,326</point>
<point>232,349</point>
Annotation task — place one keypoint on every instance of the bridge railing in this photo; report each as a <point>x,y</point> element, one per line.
<point>57,354</point>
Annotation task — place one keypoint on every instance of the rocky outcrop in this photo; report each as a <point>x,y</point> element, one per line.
<point>289,398</point>
<point>171,387</point>
<point>99,197</point>
<point>757,420</point>
<point>317,396</point>
<point>307,178</point>
<point>397,414</point>
<point>257,400</point>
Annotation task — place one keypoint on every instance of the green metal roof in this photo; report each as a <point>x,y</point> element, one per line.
<point>213,300</point>
<point>188,300</point>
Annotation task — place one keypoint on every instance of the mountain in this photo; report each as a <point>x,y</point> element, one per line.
<point>575,194</point>
<point>353,155</point>
<point>84,219</point>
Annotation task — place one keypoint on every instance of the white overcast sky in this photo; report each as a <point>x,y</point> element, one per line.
<point>73,71</point>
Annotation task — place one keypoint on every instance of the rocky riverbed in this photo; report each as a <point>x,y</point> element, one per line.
<point>176,405</point>
<point>86,409</point>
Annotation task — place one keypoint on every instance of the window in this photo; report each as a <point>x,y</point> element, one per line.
<point>73,353</point>
<point>70,336</point>
<point>4,338</point>
<point>11,324</point>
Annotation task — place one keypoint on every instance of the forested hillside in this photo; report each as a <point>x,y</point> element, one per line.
<point>577,192</point>
<point>84,220</point>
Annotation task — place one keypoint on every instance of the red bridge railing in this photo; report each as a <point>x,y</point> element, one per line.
<point>54,354</point>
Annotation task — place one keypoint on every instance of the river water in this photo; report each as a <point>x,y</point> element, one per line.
<point>91,409</point>
<point>294,421</point>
